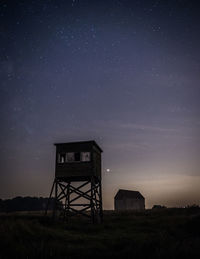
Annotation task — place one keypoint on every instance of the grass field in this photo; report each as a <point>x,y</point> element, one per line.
<point>167,233</point>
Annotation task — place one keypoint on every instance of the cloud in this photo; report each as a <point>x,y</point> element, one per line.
<point>134,126</point>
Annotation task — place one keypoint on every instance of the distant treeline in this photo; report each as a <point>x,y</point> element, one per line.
<point>25,204</point>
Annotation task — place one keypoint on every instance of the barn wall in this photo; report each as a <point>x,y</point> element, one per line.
<point>120,205</point>
<point>129,204</point>
<point>134,204</point>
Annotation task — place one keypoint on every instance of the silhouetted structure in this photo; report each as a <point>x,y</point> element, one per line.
<point>77,180</point>
<point>158,207</point>
<point>25,204</point>
<point>129,200</point>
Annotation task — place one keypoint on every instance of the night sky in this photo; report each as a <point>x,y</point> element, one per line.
<point>123,73</point>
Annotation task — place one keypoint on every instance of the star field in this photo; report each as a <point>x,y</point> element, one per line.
<point>124,73</point>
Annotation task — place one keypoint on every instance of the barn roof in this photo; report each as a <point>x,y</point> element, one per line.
<point>128,194</point>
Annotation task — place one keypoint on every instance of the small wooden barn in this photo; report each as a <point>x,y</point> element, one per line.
<point>129,200</point>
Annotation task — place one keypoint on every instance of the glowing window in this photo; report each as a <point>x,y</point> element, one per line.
<point>85,156</point>
<point>61,158</point>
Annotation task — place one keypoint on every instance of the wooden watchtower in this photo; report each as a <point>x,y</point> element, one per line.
<point>77,183</point>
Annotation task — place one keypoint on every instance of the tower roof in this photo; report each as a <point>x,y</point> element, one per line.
<point>80,143</point>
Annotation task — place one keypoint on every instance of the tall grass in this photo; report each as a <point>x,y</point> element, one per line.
<point>168,233</point>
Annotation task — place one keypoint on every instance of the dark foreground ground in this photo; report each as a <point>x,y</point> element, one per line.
<point>167,233</point>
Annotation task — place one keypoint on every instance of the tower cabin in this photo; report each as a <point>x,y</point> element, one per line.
<point>78,161</point>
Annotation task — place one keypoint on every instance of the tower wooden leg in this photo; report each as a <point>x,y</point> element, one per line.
<point>47,206</point>
<point>71,199</point>
<point>55,200</point>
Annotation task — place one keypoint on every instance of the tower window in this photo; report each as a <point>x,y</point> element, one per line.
<point>61,158</point>
<point>85,156</point>
<point>70,157</point>
<point>74,157</point>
